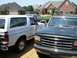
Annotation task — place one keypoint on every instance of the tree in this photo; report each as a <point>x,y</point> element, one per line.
<point>54,11</point>
<point>4,12</point>
<point>30,8</point>
<point>76,10</point>
<point>25,7</point>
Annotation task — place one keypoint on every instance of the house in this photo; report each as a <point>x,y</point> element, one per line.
<point>37,8</point>
<point>11,9</point>
<point>65,7</point>
<point>44,9</point>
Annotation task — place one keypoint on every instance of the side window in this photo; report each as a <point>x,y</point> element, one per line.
<point>19,21</point>
<point>33,21</point>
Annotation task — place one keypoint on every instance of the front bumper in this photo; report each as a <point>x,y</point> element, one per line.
<point>4,47</point>
<point>49,51</point>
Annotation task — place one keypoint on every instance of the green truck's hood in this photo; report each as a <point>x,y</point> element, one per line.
<point>59,31</point>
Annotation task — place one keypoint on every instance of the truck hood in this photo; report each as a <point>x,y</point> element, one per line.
<point>60,31</point>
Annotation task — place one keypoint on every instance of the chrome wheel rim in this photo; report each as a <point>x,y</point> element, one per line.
<point>21,45</point>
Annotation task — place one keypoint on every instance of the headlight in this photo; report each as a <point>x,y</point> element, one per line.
<point>75,44</point>
<point>37,38</point>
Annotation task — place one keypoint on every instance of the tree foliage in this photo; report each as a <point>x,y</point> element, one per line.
<point>28,8</point>
<point>76,10</point>
<point>54,11</point>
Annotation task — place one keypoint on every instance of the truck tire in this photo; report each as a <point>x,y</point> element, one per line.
<point>20,45</point>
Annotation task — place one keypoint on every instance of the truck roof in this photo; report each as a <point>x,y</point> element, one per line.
<point>66,16</point>
<point>9,16</point>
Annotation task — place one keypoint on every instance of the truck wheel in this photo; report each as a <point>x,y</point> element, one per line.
<point>20,45</point>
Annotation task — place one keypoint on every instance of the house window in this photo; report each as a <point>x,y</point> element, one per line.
<point>61,12</point>
<point>71,12</point>
<point>4,12</point>
<point>21,12</point>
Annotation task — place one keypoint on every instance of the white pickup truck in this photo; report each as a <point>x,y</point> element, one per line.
<point>15,30</point>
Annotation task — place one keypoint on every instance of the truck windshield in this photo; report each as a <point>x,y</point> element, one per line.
<point>63,21</point>
<point>2,23</point>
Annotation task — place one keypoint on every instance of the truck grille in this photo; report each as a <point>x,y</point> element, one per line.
<point>56,42</point>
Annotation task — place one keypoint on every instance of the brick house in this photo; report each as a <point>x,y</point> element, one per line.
<point>11,9</point>
<point>65,6</point>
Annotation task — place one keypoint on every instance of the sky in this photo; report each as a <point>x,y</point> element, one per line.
<point>30,2</point>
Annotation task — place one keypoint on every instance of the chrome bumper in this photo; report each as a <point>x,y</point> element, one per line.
<point>49,51</point>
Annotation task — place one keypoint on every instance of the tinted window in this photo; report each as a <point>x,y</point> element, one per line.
<point>19,21</point>
<point>33,21</point>
<point>2,23</point>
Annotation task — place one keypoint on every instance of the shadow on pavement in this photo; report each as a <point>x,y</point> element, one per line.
<point>43,56</point>
<point>12,54</point>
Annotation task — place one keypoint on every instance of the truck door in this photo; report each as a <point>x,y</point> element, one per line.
<point>17,28</point>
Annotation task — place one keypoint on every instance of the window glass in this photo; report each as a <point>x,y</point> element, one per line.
<point>19,21</point>
<point>2,23</point>
<point>63,21</point>
<point>33,21</point>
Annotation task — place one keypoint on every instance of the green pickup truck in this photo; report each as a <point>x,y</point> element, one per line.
<point>59,37</point>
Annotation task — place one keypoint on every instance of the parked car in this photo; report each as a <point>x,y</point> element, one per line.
<point>16,30</point>
<point>59,37</point>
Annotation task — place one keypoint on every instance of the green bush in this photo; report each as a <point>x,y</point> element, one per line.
<point>45,17</point>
